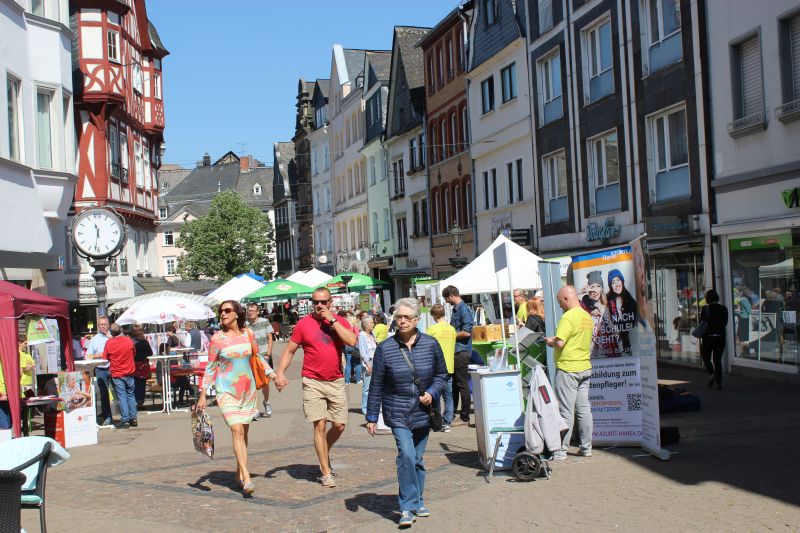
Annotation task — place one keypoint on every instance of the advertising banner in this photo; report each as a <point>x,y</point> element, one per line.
<point>79,423</point>
<point>615,395</point>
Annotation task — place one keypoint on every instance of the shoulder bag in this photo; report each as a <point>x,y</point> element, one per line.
<point>435,417</point>
<point>259,374</point>
<point>700,330</point>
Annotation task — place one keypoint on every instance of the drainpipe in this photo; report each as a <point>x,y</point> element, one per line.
<point>467,51</point>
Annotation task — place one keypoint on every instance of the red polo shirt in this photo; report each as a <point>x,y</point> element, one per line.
<point>120,352</point>
<point>322,348</point>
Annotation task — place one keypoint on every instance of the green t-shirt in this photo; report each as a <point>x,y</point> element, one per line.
<point>575,328</point>
<point>26,379</point>
<point>522,312</point>
<point>446,335</point>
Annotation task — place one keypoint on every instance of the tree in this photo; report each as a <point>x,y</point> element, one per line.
<point>231,239</point>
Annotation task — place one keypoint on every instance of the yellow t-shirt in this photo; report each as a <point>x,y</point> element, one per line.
<point>2,380</point>
<point>522,312</point>
<point>26,378</point>
<point>446,335</point>
<point>575,329</point>
<point>381,332</point>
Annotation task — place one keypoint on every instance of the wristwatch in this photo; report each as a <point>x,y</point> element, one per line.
<point>334,321</point>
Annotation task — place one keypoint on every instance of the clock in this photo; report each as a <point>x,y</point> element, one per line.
<point>98,233</point>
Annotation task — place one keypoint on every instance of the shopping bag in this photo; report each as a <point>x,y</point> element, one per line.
<point>203,432</point>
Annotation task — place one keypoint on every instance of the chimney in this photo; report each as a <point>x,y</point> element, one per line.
<point>206,160</point>
<point>244,163</point>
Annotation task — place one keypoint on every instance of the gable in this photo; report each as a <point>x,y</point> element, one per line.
<point>489,39</point>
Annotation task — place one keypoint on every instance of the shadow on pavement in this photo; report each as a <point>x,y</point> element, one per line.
<point>745,436</point>
<point>225,479</point>
<point>384,505</point>
<point>296,471</point>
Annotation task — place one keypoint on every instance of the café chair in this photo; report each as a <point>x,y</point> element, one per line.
<point>10,504</point>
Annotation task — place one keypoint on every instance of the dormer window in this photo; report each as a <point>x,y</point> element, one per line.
<point>257,189</point>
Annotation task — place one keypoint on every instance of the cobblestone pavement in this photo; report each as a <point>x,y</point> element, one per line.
<point>735,469</point>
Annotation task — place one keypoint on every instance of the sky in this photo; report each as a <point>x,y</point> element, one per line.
<point>231,76</point>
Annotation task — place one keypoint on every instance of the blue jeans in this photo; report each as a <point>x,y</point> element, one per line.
<point>126,396</point>
<point>5,415</point>
<point>352,361</point>
<point>410,468</point>
<point>103,376</point>
<point>449,408</point>
<point>365,392</point>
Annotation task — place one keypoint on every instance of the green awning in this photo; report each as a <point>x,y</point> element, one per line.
<point>358,283</point>
<point>277,290</point>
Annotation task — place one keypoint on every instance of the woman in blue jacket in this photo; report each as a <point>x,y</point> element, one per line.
<point>405,411</point>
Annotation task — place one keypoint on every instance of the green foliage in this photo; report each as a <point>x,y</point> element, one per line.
<point>230,240</point>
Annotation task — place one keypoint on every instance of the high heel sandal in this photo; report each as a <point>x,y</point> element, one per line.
<point>248,488</point>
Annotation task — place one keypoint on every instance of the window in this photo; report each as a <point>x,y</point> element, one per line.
<point>662,25</point>
<point>491,11</point>
<point>327,157</point>
<point>402,235</point>
<point>457,205</point>
<point>415,220</point>
<point>37,7</point>
<point>434,149</point>
<point>597,61</point>
<point>257,189</point>
<point>44,129</point>
<point>435,212</point>
<point>320,116</point>
<point>790,68</point>
<point>450,59</point>
<point>603,162</point>
<point>421,150</point>
<point>550,105</point>
<point>668,156</point>
<point>412,154</point>
<point>372,176</point>
<point>747,82</point>
<point>162,213</point>
<point>148,170</point>
<point>445,210</point>
<point>387,225</point>
<point>138,79</point>
<point>430,74</point>
<point>464,126</point>
<point>168,239</point>
<point>440,66</point>
<point>453,134</point>
<point>466,190</point>
<point>112,39</point>
<point>460,43</point>
<point>157,86</point>
<point>554,169</point>
<point>508,80</point>
<point>443,139</point>
<point>137,154</point>
<point>423,214</point>
<point>545,9</point>
<point>490,189</point>
<point>375,227</point>
<point>113,18</point>
<point>514,175</point>
<point>487,94</point>
<point>113,148</point>
<point>399,176</point>
<point>14,116</point>
<point>123,152</point>
<point>170,266</point>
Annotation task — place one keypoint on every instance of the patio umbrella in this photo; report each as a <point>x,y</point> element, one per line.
<point>358,283</point>
<point>277,290</point>
<point>163,310</point>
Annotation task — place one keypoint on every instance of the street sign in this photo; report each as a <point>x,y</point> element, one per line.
<point>520,236</point>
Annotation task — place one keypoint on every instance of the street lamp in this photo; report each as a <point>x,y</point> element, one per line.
<point>344,261</point>
<point>457,239</point>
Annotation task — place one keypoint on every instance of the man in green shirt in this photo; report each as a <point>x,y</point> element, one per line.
<point>572,344</point>
<point>443,332</point>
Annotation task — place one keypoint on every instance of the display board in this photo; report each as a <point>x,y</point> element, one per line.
<point>497,400</point>
<point>75,422</point>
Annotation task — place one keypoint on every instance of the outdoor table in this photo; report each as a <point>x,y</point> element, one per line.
<point>29,403</point>
<point>88,365</point>
<point>166,395</point>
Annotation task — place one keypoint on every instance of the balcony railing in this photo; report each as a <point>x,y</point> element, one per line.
<point>746,125</point>
<point>789,111</point>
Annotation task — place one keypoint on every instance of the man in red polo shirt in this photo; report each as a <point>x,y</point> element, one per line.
<point>119,351</point>
<point>323,337</point>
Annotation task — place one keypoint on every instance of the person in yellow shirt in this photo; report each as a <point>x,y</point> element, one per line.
<point>521,304</point>
<point>381,330</point>
<point>445,334</point>
<point>5,409</point>
<point>26,365</point>
<point>572,343</point>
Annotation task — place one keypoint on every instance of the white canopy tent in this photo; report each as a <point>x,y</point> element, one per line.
<point>309,278</point>
<point>236,288</point>
<point>163,310</point>
<point>784,269</point>
<point>478,277</point>
<point>124,304</point>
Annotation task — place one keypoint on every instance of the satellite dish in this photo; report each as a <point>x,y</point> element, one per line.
<point>322,259</point>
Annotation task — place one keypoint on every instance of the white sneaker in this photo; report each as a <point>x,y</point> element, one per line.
<point>267,409</point>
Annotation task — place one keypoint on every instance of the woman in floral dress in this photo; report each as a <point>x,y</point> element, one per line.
<point>229,371</point>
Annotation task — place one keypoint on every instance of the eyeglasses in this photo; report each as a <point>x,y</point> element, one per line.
<point>320,302</point>
<point>226,310</point>
<point>408,318</point>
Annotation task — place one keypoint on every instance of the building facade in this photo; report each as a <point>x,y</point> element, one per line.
<point>449,168</point>
<point>348,168</point>
<point>754,77</point>
<point>119,111</point>
<point>404,167</point>
<point>304,124</point>
<point>319,144</point>
<point>379,247</point>
<point>37,146</point>
<point>284,195</point>
<point>500,138</point>
<point>620,139</point>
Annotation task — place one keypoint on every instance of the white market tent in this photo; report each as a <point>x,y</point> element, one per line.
<point>163,310</point>
<point>309,278</point>
<point>478,277</point>
<point>124,304</point>
<point>784,269</point>
<point>236,288</point>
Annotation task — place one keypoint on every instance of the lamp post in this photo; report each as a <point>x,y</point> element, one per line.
<point>457,240</point>
<point>344,261</point>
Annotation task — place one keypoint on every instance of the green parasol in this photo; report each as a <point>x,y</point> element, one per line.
<point>277,290</point>
<point>358,283</point>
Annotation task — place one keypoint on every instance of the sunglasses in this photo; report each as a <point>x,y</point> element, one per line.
<point>405,317</point>
<point>320,302</point>
<point>226,310</point>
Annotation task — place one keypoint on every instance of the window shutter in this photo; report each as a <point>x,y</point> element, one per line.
<point>794,44</point>
<point>752,90</point>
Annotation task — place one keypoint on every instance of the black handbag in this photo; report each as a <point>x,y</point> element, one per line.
<point>700,330</point>
<point>434,415</point>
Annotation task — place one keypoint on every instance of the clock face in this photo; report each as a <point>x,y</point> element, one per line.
<point>97,232</point>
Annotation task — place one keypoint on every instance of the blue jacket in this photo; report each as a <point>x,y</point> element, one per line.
<point>392,388</point>
<point>461,320</point>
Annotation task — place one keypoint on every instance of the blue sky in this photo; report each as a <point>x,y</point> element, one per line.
<point>231,76</point>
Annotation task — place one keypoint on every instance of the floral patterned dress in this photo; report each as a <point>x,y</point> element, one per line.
<point>229,371</point>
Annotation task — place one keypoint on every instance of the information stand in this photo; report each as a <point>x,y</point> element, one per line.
<point>497,399</point>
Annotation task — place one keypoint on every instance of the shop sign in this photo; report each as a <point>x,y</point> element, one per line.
<point>791,197</point>
<point>678,226</point>
<point>500,223</point>
<point>518,236</point>
<point>755,243</point>
<point>603,233</point>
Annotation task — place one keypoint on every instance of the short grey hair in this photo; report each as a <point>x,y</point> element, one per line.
<point>366,320</point>
<point>411,303</point>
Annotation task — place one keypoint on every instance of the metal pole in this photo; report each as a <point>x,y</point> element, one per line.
<point>100,274</point>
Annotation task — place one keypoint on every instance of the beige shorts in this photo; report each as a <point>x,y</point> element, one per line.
<point>325,400</point>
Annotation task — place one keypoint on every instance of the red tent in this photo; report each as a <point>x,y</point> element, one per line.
<point>16,301</point>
